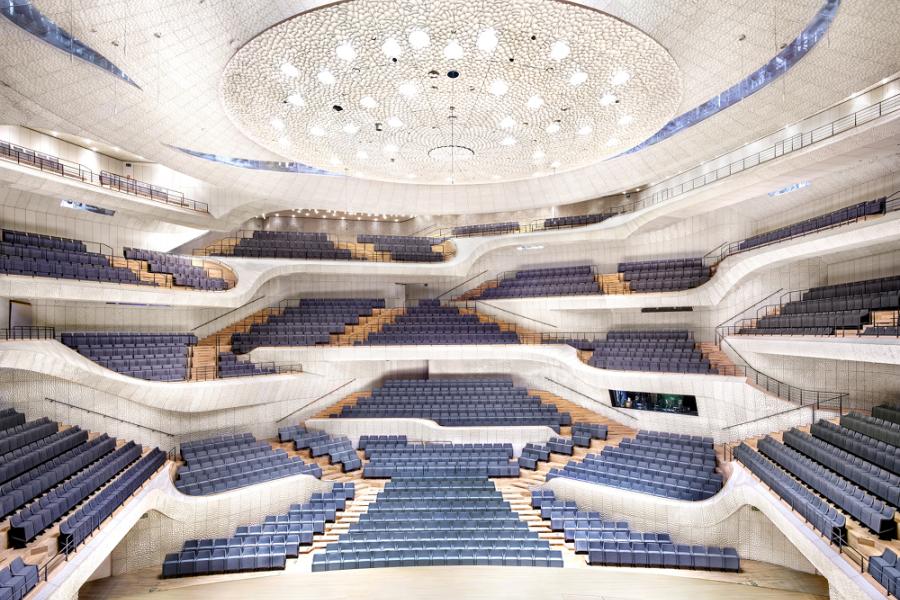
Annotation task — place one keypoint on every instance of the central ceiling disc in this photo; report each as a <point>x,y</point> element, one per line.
<point>530,87</point>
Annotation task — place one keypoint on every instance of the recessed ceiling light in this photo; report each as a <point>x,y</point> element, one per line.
<point>419,39</point>
<point>577,78</point>
<point>116,148</point>
<point>335,161</point>
<point>395,122</point>
<point>277,123</point>
<point>625,120</point>
<point>88,141</point>
<point>498,87</point>
<point>350,128</point>
<point>346,52</point>
<point>508,141</point>
<point>391,48</point>
<point>453,51</point>
<point>607,99</point>
<point>612,142</point>
<point>507,122</point>
<point>487,40</point>
<point>316,131</point>
<point>559,50</point>
<point>391,148</point>
<point>408,89</point>
<point>535,102</point>
<point>620,77</point>
<point>586,130</point>
<point>368,102</point>
<point>325,76</point>
<point>289,70</point>
<point>296,100</point>
<point>552,128</point>
<point>54,133</point>
<point>362,154</point>
<point>555,164</point>
<point>93,148</point>
<point>284,141</point>
<point>411,175</point>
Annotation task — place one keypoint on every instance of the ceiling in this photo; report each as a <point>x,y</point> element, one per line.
<point>180,52</point>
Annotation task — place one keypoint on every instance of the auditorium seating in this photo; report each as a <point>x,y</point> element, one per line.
<point>885,431</point>
<point>664,275</point>
<point>559,281</point>
<point>262,547</point>
<point>288,244</point>
<point>583,433</point>
<point>386,460</point>
<point>575,220</point>
<point>17,579</point>
<point>486,229</point>
<point>862,506</point>
<point>821,310</point>
<point>405,248</point>
<point>811,507</point>
<point>339,449</point>
<point>183,271</point>
<point>869,449</point>
<point>666,351</point>
<point>74,530</point>
<point>151,356</point>
<point>431,323</point>
<point>660,464</point>
<point>230,366</point>
<point>437,519</point>
<point>40,514</point>
<point>843,215</point>
<point>39,255</point>
<point>613,543</point>
<point>887,412</point>
<point>228,462</point>
<point>456,403</point>
<point>885,569</point>
<point>312,321</point>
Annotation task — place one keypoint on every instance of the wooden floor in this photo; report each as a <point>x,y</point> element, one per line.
<point>757,581</point>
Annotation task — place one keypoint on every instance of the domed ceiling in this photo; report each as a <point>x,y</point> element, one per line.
<point>457,91</point>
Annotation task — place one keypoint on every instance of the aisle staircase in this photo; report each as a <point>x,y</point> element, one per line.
<point>613,283</point>
<point>358,333</point>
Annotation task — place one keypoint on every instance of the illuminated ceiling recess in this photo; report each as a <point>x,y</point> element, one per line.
<point>451,92</point>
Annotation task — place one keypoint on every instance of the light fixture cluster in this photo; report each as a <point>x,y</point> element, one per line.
<point>416,98</point>
<point>313,213</point>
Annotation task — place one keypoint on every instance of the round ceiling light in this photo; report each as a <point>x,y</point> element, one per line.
<point>388,78</point>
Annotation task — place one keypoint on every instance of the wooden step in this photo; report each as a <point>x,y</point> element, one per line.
<point>613,283</point>
<point>477,291</point>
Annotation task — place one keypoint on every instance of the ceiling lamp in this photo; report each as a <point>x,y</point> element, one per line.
<point>612,142</point>
<point>395,122</point>
<point>362,155</point>
<point>351,128</point>
<point>508,141</point>
<point>577,78</point>
<point>586,130</point>
<point>345,52</point>
<point>391,47</point>
<point>453,51</point>
<point>289,70</point>
<point>368,102</point>
<point>559,50</point>
<point>284,142</point>
<point>316,131</point>
<point>296,100</point>
<point>607,99</point>
<point>391,148</point>
<point>335,161</point>
<point>325,76</point>
<point>408,89</point>
<point>419,39</point>
<point>538,156</point>
<point>535,102</point>
<point>555,164</point>
<point>498,87</point>
<point>507,122</point>
<point>620,77</point>
<point>277,123</point>
<point>625,120</point>
<point>487,40</point>
<point>552,128</point>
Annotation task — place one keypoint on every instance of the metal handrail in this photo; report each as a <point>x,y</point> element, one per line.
<point>211,372</point>
<point>610,406</point>
<point>244,305</point>
<point>48,163</point>
<point>463,283</point>
<point>28,332</point>
<point>106,416</point>
<point>311,402</point>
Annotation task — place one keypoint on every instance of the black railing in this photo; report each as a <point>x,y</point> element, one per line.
<point>28,332</point>
<point>210,372</point>
<point>111,417</point>
<point>47,163</point>
<point>312,402</point>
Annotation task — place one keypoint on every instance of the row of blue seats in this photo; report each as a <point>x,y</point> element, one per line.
<point>874,451</point>
<point>17,579</point>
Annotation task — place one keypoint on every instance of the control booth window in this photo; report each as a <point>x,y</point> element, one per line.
<point>669,403</point>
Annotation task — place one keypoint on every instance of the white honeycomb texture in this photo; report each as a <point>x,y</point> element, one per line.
<point>366,88</point>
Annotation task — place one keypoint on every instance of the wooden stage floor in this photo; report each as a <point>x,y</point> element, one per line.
<point>757,581</point>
